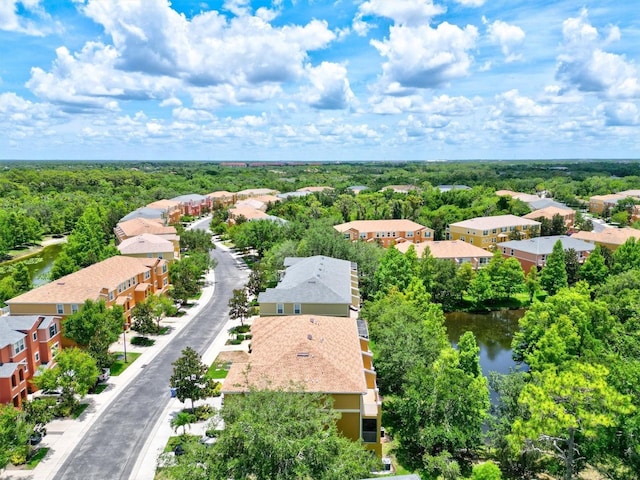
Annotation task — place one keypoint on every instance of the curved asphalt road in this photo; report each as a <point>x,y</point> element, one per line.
<point>110,448</point>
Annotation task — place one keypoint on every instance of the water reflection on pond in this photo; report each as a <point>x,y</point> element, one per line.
<point>494,332</point>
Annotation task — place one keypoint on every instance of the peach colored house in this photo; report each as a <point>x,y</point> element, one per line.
<point>118,280</point>
<point>193,204</point>
<point>534,251</point>
<point>170,208</point>
<point>222,199</point>
<point>317,354</point>
<point>599,203</point>
<point>486,232</point>
<point>456,250</point>
<point>567,214</point>
<point>610,238</point>
<point>314,189</point>
<point>148,246</point>
<point>524,197</point>
<point>140,226</point>
<point>27,343</point>
<point>385,232</point>
<point>255,192</point>
<point>246,211</point>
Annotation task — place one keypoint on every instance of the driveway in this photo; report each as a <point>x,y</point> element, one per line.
<point>111,446</point>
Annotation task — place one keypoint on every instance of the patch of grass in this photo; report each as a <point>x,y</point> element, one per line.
<point>36,457</point>
<point>101,387</point>
<point>163,331</point>
<point>218,370</point>
<point>180,439</point>
<point>233,342</point>
<point>79,410</point>
<point>387,451</point>
<point>142,341</point>
<point>120,365</point>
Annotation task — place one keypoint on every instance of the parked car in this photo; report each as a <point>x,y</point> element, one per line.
<point>38,434</point>
<point>54,394</point>
<point>104,375</point>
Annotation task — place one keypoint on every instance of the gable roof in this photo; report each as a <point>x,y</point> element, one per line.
<point>544,203</point>
<point>9,336</point>
<point>498,221</point>
<point>392,225</point>
<point>612,236</point>
<point>446,249</point>
<point>191,197</point>
<point>549,212</point>
<point>164,204</point>
<point>220,194</point>
<point>138,226</point>
<point>319,279</point>
<point>144,212</point>
<point>145,243</point>
<point>88,283</point>
<point>317,353</point>
<point>544,245</point>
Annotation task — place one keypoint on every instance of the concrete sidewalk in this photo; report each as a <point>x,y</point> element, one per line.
<point>64,435</point>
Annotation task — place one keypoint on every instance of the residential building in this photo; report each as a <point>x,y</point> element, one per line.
<point>314,189</point>
<point>316,354</point>
<point>601,204</point>
<point>486,232</point>
<point>610,238</point>
<point>399,188</point>
<point>456,250</point>
<point>141,226</point>
<point>148,246</point>
<point>193,204</point>
<point>544,203</point>
<point>27,344</point>
<point>170,208</point>
<point>146,212</point>
<point>356,189</point>
<point>247,212</point>
<point>118,280</point>
<point>316,285</point>
<point>222,199</point>
<point>567,214</point>
<point>385,232</point>
<point>255,192</point>
<point>523,197</point>
<point>534,251</point>
<point>448,188</point>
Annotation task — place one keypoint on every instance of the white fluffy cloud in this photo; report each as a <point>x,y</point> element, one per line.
<point>330,88</point>
<point>586,66</point>
<point>471,3</point>
<point>402,12</point>
<point>621,114</point>
<point>425,57</point>
<point>509,37</point>
<point>512,104</point>
<point>12,22</point>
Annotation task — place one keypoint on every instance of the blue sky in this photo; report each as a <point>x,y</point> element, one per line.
<point>319,80</point>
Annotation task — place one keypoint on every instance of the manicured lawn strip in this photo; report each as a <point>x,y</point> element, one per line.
<point>120,366</point>
<point>218,370</point>
<point>180,439</point>
<point>35,460</point>
<point>79,409</point>
<point>101,387</point>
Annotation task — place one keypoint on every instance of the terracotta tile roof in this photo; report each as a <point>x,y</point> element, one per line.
<point>447,249</point>
<point>499,221</point>
<point>399,225</point>
<point>613,236</point>
<point>322,354</point>
<point>314,189</point>
<point>254,192</point>
<point>525,197</point>
<point>220,194</point>
<point>145,243</point>
<point>612,197</point>
<point>87,283</point>
<point>549,212</point>
<point>138,226</point>
<point>247,212</point>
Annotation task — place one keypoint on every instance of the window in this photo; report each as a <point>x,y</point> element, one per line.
<point>112,295</point>
<point>462,238</point>
<point>74,307</point>
<point>427,234</point>
<point>160,255</point>
<point>35,336</point>
<point>165,282</point>
<point>164,268</point>
<point>485,232</point>
<point>297,308</point>
<point>512,252</point>
<point>494,230</point>
<point>503,229</point>
<point>524,227</point>
<point>54,349</point>
<point>26,368</point>
<point>347,236</point>
<point>369,430</point>
<point>512,229</point>
<point>471,240</point>
<point>393,234</point>
<point>60,308</point>
<point>36,357</point>
<point>147,275</point>
<point>409,234</point>
<point>53,330</point>
<point>363,236</point>
<point>18,346</point>
<point>279,308</point>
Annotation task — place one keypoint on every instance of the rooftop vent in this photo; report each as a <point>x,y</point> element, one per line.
<point>303,355</point>
<point>309,337</point>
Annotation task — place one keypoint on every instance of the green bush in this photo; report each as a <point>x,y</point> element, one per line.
<point>19,455</point>
<point>142,341</point>
<point>240,329</point>
<point>486,471</point>
<point>204,412</point>
<point>234,342</point>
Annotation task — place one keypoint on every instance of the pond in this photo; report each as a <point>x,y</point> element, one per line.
<point>39,264</point>
<point>494,332</point>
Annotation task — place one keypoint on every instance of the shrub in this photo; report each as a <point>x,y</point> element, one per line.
<point>19,455</point>
<point>142,341</point>
<point>234,342</point>
<point>204,412</point>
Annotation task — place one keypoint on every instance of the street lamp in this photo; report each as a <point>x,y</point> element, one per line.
<point>124,336</point>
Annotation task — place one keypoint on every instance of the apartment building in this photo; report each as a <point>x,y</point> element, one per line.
<point>610,238</point>
<point>140,226</point>
<point>316,285</point>
<point>222,199</point>
<point>455,250</point>
<point>534,251</point>
<point>27,343</point>
<point>567,214</point>
<point>170,210</point>
<point>148,246</point>
<point>193,204</point>
<point>385,232</point>
<point>486,232</point>
<point>118,280</point>
<point>255,192</point>
<point>318,354</point>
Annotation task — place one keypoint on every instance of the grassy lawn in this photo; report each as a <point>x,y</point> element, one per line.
<point>120,365</point>
<point>218,370</point>
<point>387,450</point>
<point>180,439</point>
<point>35,459</point>
<point>79,410</point>
<point>101,387</point>
<point>163,331</point>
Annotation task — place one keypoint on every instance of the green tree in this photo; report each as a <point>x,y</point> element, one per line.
<point>196,240</point>
<point>143,319</point>
<point>469,354</point>
<point>185,278</point>
<point>239,305</point>
<point>594,270</point>
<point>22,278</point>
<point>532,283</point>
<point>75,373</point>
<point>626,256</point>
<point>161,306</point>
<point>39,411</point>
<point>554,274</point>
<point>14,435</point>
<point>394,270</point>
<point>95,327</point>
<point>486,471</point>
<point>564,406</point>
<point>297,430</point>
<point>190,379</point>
<point>184,420</point>
<point>257,280</point>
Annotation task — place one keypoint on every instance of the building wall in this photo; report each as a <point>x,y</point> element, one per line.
<point>528,259</point>
<point>388,238</point>
<point>14,395</point>
<point>486,238</point>
<point>168,256</point>
<point>331,310</point>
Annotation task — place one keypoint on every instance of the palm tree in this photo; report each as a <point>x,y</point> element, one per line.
<point>184,420</point>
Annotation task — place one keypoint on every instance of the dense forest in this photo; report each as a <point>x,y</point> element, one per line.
<point>574,403</point>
